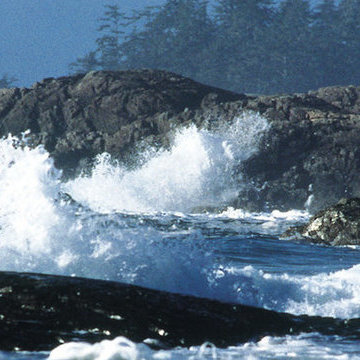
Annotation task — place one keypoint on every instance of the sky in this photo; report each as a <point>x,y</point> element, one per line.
<point>40,38</point>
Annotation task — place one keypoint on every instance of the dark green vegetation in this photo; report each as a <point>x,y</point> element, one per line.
<point>39,312</point>
<point>251,46</point>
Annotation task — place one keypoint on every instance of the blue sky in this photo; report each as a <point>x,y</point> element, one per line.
<point>40,38</point>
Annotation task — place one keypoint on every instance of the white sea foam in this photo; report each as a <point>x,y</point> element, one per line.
<point>28,185</point>
<point>43,232</point>
<point>311,346</point>
<point>291,215</point>
<point>335,294</point>
<point>117,349</point>
<point>196,171</point>
<point>40,231</point>
<point>278,221</point>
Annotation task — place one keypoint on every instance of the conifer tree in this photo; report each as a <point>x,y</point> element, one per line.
<point>242,40</point>
<point>85,64</point>
<point>173,37</point>
<point>109,43</point>
<point>349,28</point>
<point>253,46</point>
<point>292,56</point>
<point>327,45</point>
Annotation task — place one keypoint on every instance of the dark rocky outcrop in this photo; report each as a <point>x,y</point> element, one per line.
<point>80,116</point>
<point>39,312</point>
<point>312,147</point>
<point>336,225</point>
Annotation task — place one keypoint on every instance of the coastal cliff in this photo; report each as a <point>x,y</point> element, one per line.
<point>308,157</point>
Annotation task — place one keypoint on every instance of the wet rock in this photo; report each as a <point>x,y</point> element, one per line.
<point>336,225</point>
<point>311,151</point>
<point>80,116</point>
<point>39,312</point>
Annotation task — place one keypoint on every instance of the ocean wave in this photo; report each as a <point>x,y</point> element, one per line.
<point>198,171</point>
<point>310,346</point>
<point>154,242</point>
<point>334,294</point>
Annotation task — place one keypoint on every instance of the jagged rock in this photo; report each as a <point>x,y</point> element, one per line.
<point>311,151</point>
<point>336,225</point>
<point>39,312</point>
<point>80,116</point>
<point>312,148</point>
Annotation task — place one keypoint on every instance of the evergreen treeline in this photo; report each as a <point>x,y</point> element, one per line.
<point>252,46</point>
<point>7,81</point>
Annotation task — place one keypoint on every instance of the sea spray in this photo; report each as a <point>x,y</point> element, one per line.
<point>28,184</point>
<point>45,230</point>
<point>234,256</point>
<point>198,171</point>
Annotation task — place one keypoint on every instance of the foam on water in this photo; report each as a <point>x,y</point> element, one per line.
<point>132,226</point>
<point>275,215</point>
<point>117,349</point>
<point>42,230</point>
<point>306,346</point>
<point>273,220</point>
<point>335,294</point>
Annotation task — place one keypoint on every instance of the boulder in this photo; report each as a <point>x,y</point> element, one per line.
<point>336,225</point>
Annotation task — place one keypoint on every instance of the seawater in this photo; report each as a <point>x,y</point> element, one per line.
<point>141,226</point>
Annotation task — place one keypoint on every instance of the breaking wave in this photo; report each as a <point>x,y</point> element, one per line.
<point>198,171</point>
<point>133,225</point>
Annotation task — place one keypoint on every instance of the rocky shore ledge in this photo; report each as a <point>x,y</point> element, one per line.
<point>39,312</point>
<point>311,152</point>
<point>336,225</point>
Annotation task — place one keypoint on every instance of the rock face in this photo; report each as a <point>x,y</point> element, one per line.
<point>336,225</point>
<point>311,152</point>
<point>78,117</point>
<point>312,149</point>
